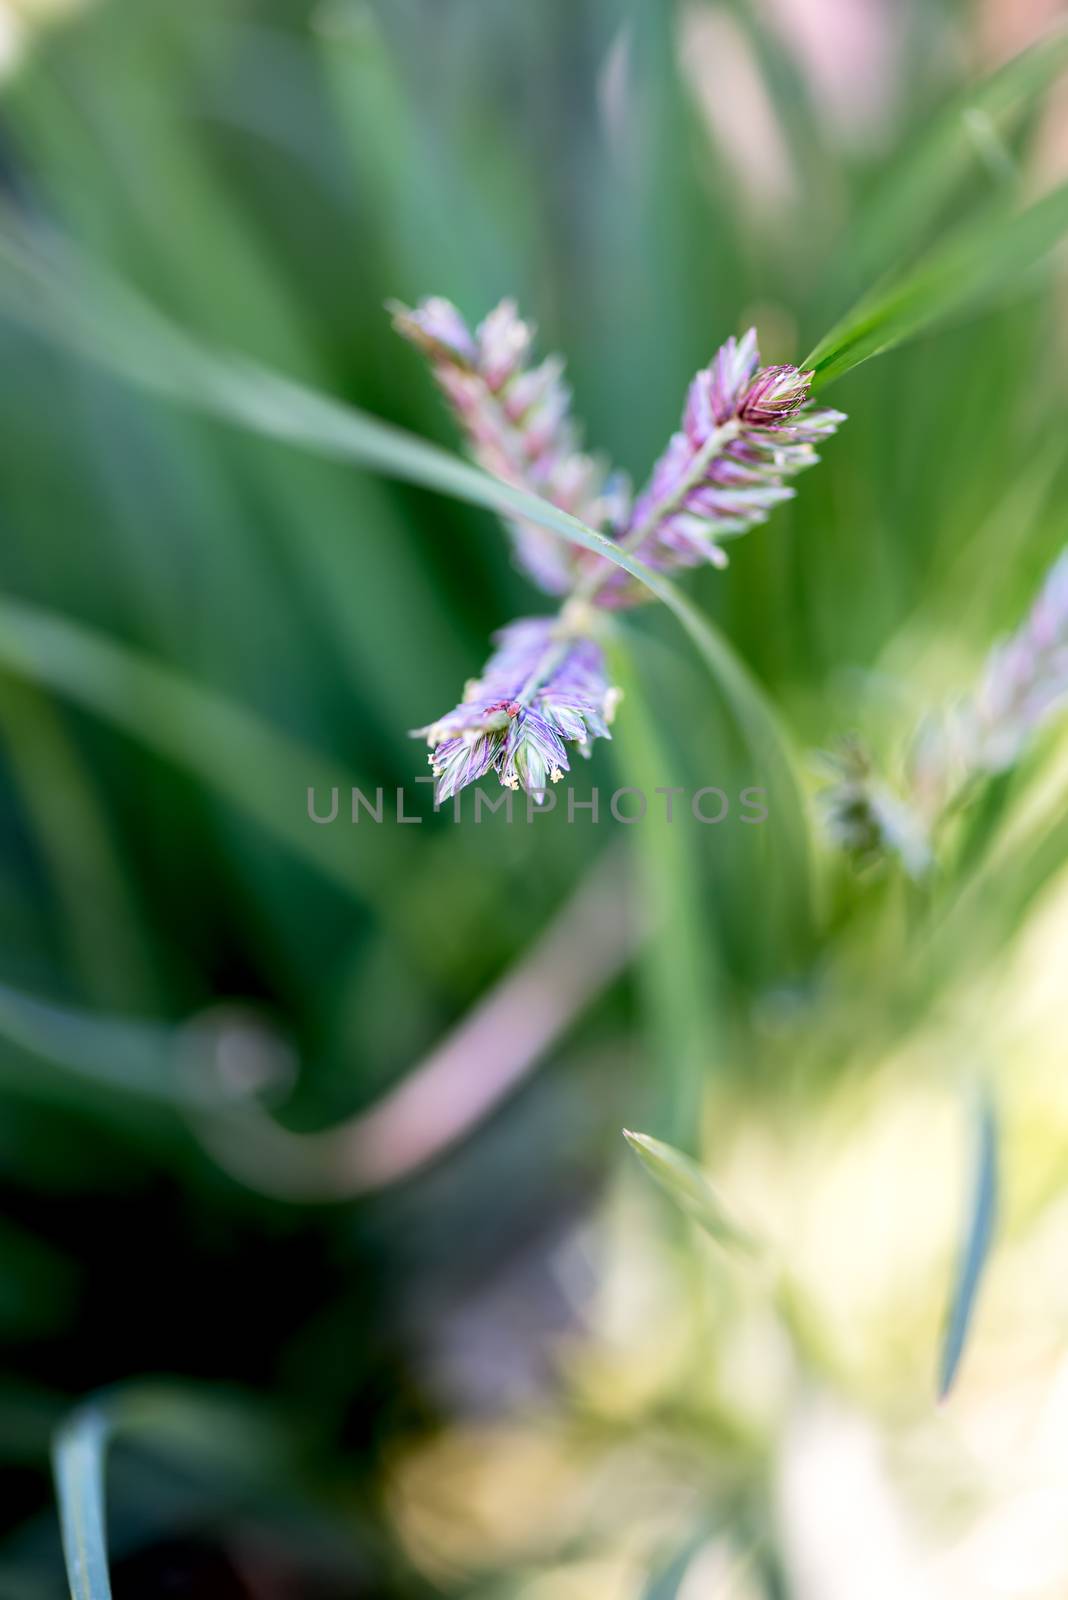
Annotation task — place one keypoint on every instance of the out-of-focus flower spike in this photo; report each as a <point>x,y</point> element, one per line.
<point>542,690</point>
<point>863,816</point>
<point>1024,681</point>
<point>438,329</point>
<point>744,431</point>
<point>518,424</point>
<point>1023,684</point>
<point>504,341</point>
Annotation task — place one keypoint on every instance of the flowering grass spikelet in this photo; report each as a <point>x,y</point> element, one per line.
<point>542,690</point>
<point>1023,683</point>
<point>862,815</point>
<point>517,420</point>
<point>1025,679</point>
<point>745,430</point>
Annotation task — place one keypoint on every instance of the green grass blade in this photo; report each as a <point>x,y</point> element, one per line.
<point>767,744</point>
<point>975,1247</point>
<point>116,1053</point>
<point>221,1431</point>
<point>87,312</point>
<point>78,1462</point>
<point>133,341</point>
<point>666,1582</point>
<point>979,261</point>
<point>260,771</point>
<point>77,845</point>
<point>110,325</point>
<point>926,177</point>
<point>685,1183</point>
<point>678,968</point>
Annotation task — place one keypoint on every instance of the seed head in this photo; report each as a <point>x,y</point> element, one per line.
<point>744,431</point>
<point>517,421</point>
<point>540,691</point>
<point>1024,682</point>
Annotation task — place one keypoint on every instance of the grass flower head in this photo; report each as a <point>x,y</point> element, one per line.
<point>541,691</point>
<point>517,420</point>
<point>745,430</point>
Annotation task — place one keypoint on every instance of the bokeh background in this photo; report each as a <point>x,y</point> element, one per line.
<point>464,1347</point>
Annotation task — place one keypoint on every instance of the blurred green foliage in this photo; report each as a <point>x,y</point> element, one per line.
<point>198,622</point>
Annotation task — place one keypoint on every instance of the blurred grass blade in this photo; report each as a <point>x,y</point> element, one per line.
<point>767,743</point>
<point>683,1180</point>
<point>976,263</point>
<point>114,327</point>
<point>975,1246</point>
<point>679,965</point>
<point>262,772</point>
<point>220,1430</point>
<point>78,1461</point>
<point>924,179</point>
<point>77,845</point>
<point>675,1579</point>
<point>121,1054</point>
<point>68,300</point>
<point>667,1580</point>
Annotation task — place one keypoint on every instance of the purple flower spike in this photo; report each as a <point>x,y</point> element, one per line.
<point>517,422</point>
<point>1026,677</point>
<point>774,394</point>
<point>439,331</point>
<point>540,691</point>
<point>725,379</point>
<point>743,432</point>
<point>1023,684</point>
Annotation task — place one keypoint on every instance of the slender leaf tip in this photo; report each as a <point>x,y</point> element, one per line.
<point>684,1182</point>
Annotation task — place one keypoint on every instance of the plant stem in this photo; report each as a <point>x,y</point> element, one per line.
<point>588,587</point>
<point>636,537</point>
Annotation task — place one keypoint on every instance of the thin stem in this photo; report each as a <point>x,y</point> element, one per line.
<point>588,586</point>
<point>636,537</point>
<point>698,467</point>
<point>463,1079</point>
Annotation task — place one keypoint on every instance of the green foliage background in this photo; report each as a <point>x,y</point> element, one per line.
<point>268,177</point>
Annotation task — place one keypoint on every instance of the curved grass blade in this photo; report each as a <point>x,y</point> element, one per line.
<point>133,1057</point>
<point>925,178</point>
<point>71,301</point>
<point>262,772</point>
<point>78,1463</point>
<point>975,1246</point>
<point>679,967</point>
<point>224,1430</point>
<point>685,1183</point>
<point>976,263</point>
<point>106,322</point>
